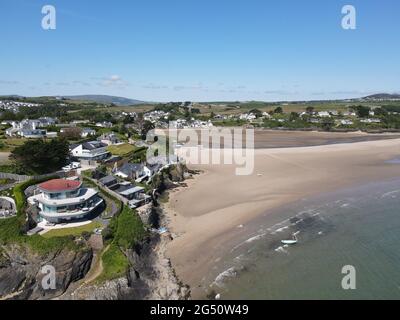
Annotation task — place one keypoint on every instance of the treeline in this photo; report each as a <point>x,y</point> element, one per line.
<point>177,110</point>
<point>37,157</point>
<point>45,110</point>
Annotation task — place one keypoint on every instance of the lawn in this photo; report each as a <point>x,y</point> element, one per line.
<point>10,144</point>
<point>77,231</point>
<point>121,150</point>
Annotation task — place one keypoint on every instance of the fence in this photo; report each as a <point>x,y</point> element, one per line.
<point>20,178</point>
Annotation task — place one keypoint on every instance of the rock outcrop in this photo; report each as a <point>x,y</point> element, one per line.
<point>150,277</point>
<point>21,271</point>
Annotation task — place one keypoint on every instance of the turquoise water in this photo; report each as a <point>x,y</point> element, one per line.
<point>358,227</point>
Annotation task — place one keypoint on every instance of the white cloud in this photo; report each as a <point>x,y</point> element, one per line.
<point>112,81</point>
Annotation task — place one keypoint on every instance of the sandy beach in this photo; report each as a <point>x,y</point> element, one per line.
<point>206,216</point>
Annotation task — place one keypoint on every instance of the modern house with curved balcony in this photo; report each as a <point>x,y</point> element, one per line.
<point>62,200</point>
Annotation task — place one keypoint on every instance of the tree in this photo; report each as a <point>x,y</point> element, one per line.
<point>278,110</point>
<point>147,126</point>
<point>310,110</point>
<point>380,112</point>
<point>8,115</point>
<point>123,129</point>
<point>327,124</point>
<point>128,119</point>
<point>40,156</point>
<point>256,112</point>
<point>293,116</point>
<point>187,114</point>
<point>362,111</point>
<point>73,133</point>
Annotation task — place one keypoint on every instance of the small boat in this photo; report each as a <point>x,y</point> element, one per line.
<point>291,242</point>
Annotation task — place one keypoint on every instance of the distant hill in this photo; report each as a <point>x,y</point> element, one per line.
<point>383,96</point>
<point>11,96</point>
<point>119,101</point>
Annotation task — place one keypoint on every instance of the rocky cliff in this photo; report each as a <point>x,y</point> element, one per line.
<point>21,271</point>
<point>150,276</point>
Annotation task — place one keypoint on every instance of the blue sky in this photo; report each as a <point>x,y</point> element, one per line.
<point>201,50</point>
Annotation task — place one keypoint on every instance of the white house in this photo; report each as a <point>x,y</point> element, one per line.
<point>346,122</point>
<point>370,120</point>
<point>104,124</point>
<point>324,114</point>
<point>92,151</point>
<point>248,116</point>
<point>109,139</point>
<point>30,128</point>
<point>62,200</point>
<point>87,132</point>
<point>349,113</point>
<point>131,171</point>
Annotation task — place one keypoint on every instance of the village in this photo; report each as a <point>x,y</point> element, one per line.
<point>104,170</point>
<point>111,152</point>
<point>79,169</point>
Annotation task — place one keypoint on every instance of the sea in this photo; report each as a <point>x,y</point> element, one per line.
<point>358,227</point>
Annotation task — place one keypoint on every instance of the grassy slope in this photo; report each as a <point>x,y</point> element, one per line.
<point>77,231</point>
<point>128,230</point>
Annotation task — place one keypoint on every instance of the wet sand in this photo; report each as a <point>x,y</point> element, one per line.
<point>290,139</point>
<point>205,217</point>
<point>264,138</point>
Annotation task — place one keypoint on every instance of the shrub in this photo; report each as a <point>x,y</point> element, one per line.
<point>130,229</point>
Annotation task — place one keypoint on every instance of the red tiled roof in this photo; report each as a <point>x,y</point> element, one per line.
<point>59,185</point>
